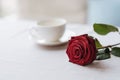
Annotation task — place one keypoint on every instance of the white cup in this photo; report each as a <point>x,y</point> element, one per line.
<point>50,30</point>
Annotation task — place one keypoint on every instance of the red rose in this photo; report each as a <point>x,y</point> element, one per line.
<point>81,50</point>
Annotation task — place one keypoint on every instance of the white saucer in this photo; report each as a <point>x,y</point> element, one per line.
<point>64,39</point>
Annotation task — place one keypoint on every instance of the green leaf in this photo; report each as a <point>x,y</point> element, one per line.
<point>103,54</point>
<point>107,50</point>
<point>104,29</point>
<point>116,51</point>
<point>97,43</point>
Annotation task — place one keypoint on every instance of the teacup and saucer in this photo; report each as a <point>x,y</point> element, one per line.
<point>51,32</point>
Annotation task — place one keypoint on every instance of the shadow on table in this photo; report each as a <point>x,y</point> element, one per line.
<point>97,65</point>
<point>58,47</point>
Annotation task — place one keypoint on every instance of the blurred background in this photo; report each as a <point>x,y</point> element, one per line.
<point>75,11</point>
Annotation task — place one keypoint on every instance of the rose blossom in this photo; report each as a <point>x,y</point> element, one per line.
<point>81,50</point>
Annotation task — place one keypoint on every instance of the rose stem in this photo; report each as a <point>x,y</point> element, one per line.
<point>109,46</point>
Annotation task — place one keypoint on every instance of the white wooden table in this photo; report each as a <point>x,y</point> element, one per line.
<point>22,59</point>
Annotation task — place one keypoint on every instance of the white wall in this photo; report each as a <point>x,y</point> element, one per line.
<point>72,10</point>
<point>8,7</point>
<point>0,9</point>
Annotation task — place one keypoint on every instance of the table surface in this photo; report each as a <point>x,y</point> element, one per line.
<point>22,59</point>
